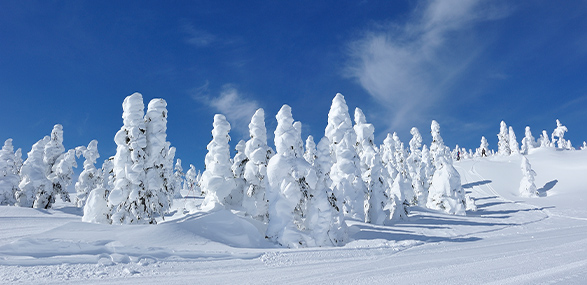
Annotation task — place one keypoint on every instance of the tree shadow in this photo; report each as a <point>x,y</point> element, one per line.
<point>549,185</point>
<point>368,232</point>
<point>477,183</point>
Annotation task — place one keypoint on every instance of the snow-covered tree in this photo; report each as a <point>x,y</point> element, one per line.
<point>558,135</point>
<point>527,186</point>
<point>179,177</point>
<point>428,172</point>
<point>191,185</point>
<point>91,177</point>
<point>218,180</point>
<point>299,213</point>
<point>127,201</point>
<point>544,141</point>
<point>483,149</point>
<point>159,163</point>
<point>9,173</point>
<point>503,143</point>
<point>61,176</point>
<point>387,150</point>
<point>258,153</point>
<point>310,154</point>
<point>584,147</point>
<point>372,171</point>
<point>347,185</point>
<point>514,147</point>
<point>416,166</point>
<point>404,184</point>
<point>33,175</point>
<point>528,141</point>
<point>445,192</point>
<point>235,198</point>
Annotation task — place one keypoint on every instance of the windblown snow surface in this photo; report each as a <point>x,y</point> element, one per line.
<point>508,240</point>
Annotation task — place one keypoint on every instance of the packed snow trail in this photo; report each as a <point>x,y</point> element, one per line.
<point>509,240</point>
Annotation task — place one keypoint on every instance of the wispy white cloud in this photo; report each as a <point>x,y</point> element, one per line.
<point>197,37</point>
<point>410,67</point>
<point>237,108</point>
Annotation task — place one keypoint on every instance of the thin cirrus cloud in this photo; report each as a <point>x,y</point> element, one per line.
<point>231,103</point>
<point>197,37</point>
<point>410,67</point>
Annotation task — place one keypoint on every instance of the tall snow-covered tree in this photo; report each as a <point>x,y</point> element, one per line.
<point>514,147</point>
<point>544,141</point>
<point>347,185</point>
<point>33,175</point>
<point>179,177</point>
<point>483,148</point>
<point>127,200</point>
<point>191,185</point>
<point>258,154</point>
<point>558,135</point>
<point>61,176</point>
<point>416,166</point>
<point>298,210</point>
<point>503,143</point>
<point>372,170</point>
<point>91,177</point>
<point>387,150</point>
<point>235,198</point>
<point>9,173</point>
<point>404,184</point>
<point>527,186</point>
<point>445,192</point>
<point>218,179</point>
<point>160,156</point>
<point>310,154</point>
<point>528,141</point>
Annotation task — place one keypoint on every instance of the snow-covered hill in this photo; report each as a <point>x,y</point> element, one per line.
<point>508,240</point>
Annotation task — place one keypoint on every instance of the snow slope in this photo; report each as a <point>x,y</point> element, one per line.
<point>509,240</point>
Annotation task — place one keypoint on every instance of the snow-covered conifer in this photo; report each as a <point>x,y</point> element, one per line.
<point>348,186</point>
<point>446,193</point>
<point>408,193</point>
<point>503,143</point>
<point>428,172</point>
<point>558,135</point>
<point>527,186</point>
<point>483,149</point>
<point>127,201</point>
<point>544,141</point>
<point>191,185</point>
<point>90,178</point>
<point>9,173</point>
<point>33,175</point>
<point>514,147</point>
<point>258,153</point>
<point>159,163</point>
<point>235,198</point>
<point>528,141</point>
<point>416,166</point>
<point>372,170</point>
<point>61,176</point>
<point>179,177</point>
<point>218,180</point>
<point>388,157</point>
<point>310,154</point>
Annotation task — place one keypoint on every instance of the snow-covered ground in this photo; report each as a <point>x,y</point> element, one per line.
<point>508,240</point>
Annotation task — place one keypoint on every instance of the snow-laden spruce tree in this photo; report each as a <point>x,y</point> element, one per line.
<point>387,150</point>
<point>322,165</point>
<point>61,176</point>
<point>404,183</point>
<point>372,171</point>
<point>527,186</point>
<point>91,177</point>
<point>9,173</point>
<point>544,141</point>
<point>191,185</point>
<point>445,191</point>
<point>96,209</point>
<point>416,166</point>
<point>558,135</point>
<point>33,175</point>
<point>235,198</point>
<point>218,179</point>
<point>503,143</point>
<point>428,167</point>
<point>127,201</point>
<point>528,141</point>
<point>179,177</point>
<point>160,156</point>
<point>514,147</point>
<point>310,154</point>
<point>258,154</point>
<point>299,213</point>
<point>483,149</point>
<point>347,184</point>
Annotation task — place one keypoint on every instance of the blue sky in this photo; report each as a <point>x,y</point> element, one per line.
<point>467,64</point>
